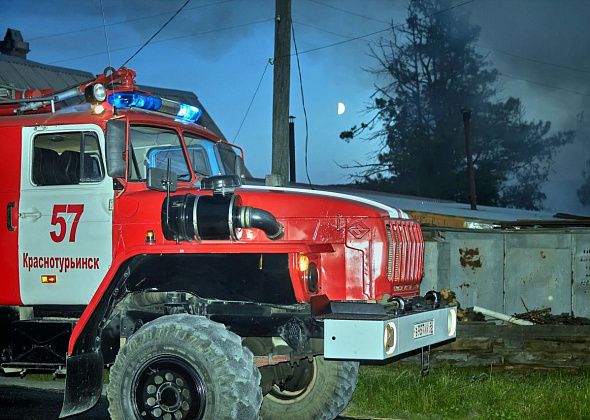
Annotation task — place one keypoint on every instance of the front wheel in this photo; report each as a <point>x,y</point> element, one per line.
<point>318,389</point>
<point>184,367</point>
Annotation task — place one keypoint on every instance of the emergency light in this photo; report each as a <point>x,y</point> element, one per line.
<point>181,112</point>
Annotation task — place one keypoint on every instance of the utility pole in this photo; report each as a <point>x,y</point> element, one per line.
<point>280,103</point>
<point>470,173</point>
<point>292,174</point>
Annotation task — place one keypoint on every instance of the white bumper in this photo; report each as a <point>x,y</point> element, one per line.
<point>380,339</point>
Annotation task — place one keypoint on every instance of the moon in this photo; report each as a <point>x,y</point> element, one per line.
<point>341,108</point>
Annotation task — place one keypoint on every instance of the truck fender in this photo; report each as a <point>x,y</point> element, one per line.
<point>84,361</point>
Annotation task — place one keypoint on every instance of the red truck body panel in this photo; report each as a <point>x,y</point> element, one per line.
<point>9,196</point>
<point>364,251</point>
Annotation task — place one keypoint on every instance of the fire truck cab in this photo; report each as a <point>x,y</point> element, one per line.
<point>130,243</point>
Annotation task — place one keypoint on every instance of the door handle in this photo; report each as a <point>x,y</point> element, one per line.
<point>9,209</point>
<point>33,214</point>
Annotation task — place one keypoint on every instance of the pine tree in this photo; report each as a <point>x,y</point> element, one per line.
<point>427,73</point>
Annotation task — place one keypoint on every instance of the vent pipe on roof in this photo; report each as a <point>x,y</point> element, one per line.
<point>14,44</point>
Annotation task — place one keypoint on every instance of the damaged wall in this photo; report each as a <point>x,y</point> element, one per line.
<point>506,270</point>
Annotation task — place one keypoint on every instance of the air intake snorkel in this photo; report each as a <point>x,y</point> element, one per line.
<point>215,217</point>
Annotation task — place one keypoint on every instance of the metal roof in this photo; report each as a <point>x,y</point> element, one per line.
<point>26,74</point>
<point>483,217</point>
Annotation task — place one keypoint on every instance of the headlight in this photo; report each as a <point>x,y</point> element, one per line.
<point>389,338</point>
<point>312,277</point>
<point>452,322</point>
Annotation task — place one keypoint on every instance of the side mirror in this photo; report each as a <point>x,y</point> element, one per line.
<point>115,148</point>
<point>157,179</point>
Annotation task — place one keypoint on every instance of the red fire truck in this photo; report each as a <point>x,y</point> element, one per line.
<point>131,244</point>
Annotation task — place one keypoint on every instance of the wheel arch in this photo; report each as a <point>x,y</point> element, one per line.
<point>140,271</point>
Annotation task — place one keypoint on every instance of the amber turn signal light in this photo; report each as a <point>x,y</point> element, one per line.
<point>303,263</point>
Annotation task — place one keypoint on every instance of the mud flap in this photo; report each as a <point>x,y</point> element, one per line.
<point>83,383</point>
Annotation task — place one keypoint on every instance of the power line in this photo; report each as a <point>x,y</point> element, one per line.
<point>505,52</point>
<point>252,100</point>
<point>92,28</point>
<point>157,32</point>
<point>335,44</point>
<point>322,29</point>
<point>166,40</point>
<point>533,82</point>
<point>347,11</point>
<point>534,60</point>
<point>496,50</point>
<point>303,105</point>
<point>392,27</point>
<point>106,36</point>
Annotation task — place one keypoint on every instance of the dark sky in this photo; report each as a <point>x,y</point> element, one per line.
<point>219,49</point>
<point>557,33</point>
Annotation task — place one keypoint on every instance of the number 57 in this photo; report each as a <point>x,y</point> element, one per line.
<point>59,221</point>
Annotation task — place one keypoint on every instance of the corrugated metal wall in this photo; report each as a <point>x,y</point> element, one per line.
<point>500,270</point>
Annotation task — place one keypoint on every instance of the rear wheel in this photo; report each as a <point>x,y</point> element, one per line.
<point>184,367</point>
<point>318,389</point>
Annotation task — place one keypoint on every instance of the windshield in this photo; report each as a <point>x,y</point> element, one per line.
<point>154,147</point>
<point>213,158</point>
<point>197,152</point>
<point>228,157</point>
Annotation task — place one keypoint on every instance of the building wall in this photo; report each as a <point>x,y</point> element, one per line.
<point>506,270</point>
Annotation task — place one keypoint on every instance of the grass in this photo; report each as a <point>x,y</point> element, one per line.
<point>392,391</point>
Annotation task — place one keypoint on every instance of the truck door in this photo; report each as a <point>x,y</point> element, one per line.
<point>65,214</point>
<point>9,193</point>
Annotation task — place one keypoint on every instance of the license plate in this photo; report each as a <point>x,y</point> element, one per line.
<point>424,329</point>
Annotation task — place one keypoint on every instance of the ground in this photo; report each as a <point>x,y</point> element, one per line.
<point>389,391</point>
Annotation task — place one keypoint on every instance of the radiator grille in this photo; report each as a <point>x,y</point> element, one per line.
<point>390,252</point>
<point>405,256</point>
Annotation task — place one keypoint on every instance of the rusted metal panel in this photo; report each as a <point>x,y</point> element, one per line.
<point>581,274</point>
<point>476,269</point>
<point>501,269</point>
<point>469,263</point>
<point>538,272</point>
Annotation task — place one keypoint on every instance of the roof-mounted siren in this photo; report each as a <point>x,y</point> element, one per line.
<point>181,112</point>
<point>95,94</point>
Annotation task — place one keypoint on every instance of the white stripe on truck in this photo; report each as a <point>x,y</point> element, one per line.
<point>393,212</point>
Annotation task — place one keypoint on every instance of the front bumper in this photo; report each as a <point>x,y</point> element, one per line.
<point>384,337</point>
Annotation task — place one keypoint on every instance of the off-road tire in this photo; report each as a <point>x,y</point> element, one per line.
<point>230,381</point>
<point>327,394</point>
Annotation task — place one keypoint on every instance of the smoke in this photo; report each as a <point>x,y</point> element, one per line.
<point>520,37</point>
<point>229,62</point>
<point>203,26</point>
<point>69,29</point>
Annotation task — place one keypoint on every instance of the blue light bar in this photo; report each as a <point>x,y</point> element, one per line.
<point>181,112</point>
<point>135,100</point>
<point>188,113</point>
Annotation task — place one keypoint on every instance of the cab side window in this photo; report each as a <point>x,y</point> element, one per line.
<point>154,147</point>
<point>66,159</point>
